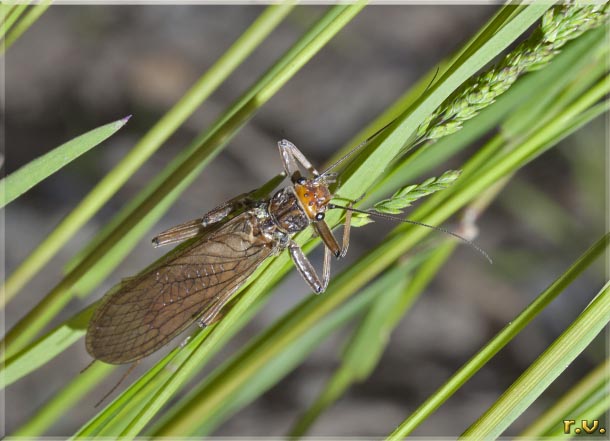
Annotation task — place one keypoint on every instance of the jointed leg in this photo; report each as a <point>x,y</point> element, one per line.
<point>193,227</point>
<point>347,225</point>
<point>329,239</point>
<point>307,270</point>
<point>326,268</point>
<point>290,156</point>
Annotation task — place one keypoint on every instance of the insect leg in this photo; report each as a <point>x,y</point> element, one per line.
<point>290,156</point>
<point>326,267</point>
<point>328,237</point>
<point>178,233</point>
<point>307,270</point>
<point>214,314</point>
<point>193,227</point>
<point>347,225</point>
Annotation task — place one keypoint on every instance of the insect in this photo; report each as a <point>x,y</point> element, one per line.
<point>194,281</point>
<point>222,249</point>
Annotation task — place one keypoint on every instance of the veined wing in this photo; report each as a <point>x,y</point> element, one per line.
<point>146,312</point>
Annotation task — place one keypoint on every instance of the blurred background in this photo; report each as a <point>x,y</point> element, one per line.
<point>80,67</point>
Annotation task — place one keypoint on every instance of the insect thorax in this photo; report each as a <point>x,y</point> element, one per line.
<point>286,211</point>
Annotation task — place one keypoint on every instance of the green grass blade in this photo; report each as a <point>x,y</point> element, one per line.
<point>67,397</point>
<point>46,348</point>
<point>23,25</point>
<point>112,420</point>
<point>562,118</point>
<point>431,208</point>
<point>500,340</point>
<point>5,10</point>
<point>121,405</point>
<point>20,181</point>
<point>538,145</point>
<point>104,419</point>
<point>559,25</point>
<point>544,370</point>
<point>149,143</point>
<point>365,350</point>
<point>576,398</point>
<point>580,121</point>
<point>186,168</point>
<point>134,413</point>
<point>10,15</point>
<point>368,167</point>
<point>366,346</point>
<point>438,94</point>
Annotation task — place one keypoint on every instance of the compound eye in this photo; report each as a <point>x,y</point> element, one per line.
<point>301,181</point>
<point>319,216</point>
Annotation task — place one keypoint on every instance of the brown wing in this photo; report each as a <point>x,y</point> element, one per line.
<point>146,312</point>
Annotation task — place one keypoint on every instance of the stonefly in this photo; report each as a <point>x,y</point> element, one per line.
<point>223,248</point>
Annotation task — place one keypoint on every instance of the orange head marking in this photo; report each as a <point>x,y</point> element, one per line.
<point>313,196</point>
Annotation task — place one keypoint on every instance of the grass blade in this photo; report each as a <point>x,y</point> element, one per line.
<point>29,329</point>
<point>65,399</point>
<point>500,340</point>
<point>517,153</point>
<point>578,397</point>
<point>20,181</point>
<point>544,370</point>
<point>10,15</point>
<point>213,340</point>
<point>46,348</point>
<point>287,61</point>
<point>20,27</point>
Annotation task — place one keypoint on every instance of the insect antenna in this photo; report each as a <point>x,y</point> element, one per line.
<point>355,149</point>
<point>370,138</point>
<point>421,224</point>
<point>131,368</point>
